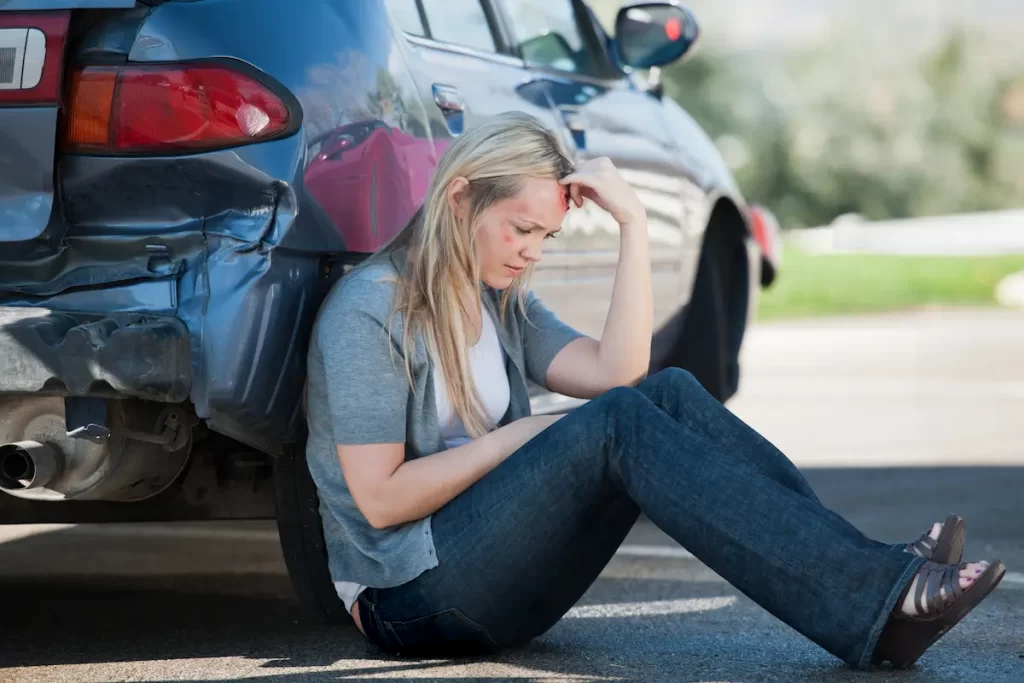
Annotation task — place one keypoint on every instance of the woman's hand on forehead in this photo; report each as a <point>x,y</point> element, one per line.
<point>599,181</point>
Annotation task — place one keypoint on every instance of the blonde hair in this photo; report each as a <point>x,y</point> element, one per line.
<point>495,156</point>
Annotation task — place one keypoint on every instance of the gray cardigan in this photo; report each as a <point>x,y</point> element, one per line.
<point>357,393</point>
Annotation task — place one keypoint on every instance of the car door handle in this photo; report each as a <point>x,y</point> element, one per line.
<point>448,99</point>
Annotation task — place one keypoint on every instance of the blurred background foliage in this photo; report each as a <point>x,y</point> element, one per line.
<point>872,108</point>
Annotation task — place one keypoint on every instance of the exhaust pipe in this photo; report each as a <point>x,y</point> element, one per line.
<point>27,465</point>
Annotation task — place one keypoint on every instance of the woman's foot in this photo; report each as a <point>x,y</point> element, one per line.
<point>942,543</point>
<point>939,596</point>
<point>916,602</point>
<point>924,546</point>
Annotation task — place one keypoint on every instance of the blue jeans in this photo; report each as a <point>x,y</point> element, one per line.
<point>519,548</point>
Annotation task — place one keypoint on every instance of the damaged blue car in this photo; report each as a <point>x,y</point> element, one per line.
<point>182,182</point>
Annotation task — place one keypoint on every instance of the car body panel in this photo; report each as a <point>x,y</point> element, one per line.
<point>42,5</point>
<point>242,244</point>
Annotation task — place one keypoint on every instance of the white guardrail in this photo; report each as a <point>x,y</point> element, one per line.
<point>996,232</point>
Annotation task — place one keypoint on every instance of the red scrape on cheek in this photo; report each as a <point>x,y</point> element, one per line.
<point>506,238</point>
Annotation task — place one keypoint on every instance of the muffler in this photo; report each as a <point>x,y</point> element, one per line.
<point>27,465</point>
<point>111,450</point>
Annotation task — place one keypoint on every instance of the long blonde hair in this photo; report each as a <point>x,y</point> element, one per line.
<point>495,156</point>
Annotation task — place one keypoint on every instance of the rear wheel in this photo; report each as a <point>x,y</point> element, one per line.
<point>302,537</point>
<point>712,325</point>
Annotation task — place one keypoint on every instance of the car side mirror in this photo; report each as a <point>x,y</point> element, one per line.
<point>653,34</point>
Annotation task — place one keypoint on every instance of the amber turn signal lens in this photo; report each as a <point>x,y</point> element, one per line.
<point>88,107</point>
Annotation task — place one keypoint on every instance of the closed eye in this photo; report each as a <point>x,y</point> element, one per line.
<point>527,231</point>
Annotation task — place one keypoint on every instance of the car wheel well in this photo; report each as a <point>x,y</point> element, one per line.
<point>709,331</point>
<point>726,216</point>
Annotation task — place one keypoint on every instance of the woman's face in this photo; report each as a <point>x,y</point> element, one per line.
<point>511,232</point>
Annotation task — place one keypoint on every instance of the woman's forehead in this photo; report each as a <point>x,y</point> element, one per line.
<point>542,200</point>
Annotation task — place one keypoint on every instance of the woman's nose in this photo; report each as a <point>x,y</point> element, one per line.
<point>532,252</point>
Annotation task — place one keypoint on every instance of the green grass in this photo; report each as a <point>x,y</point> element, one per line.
<point>835,284</point>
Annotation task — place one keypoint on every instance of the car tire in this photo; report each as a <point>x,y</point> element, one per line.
<point>713,323</point>
<point>302,538</point>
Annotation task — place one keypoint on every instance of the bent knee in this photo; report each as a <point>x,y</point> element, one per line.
<point>619,397</point>
<point>620,402</point>
<point>676,378</point>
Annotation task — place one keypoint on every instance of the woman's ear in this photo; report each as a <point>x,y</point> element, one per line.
<point>458,197</point>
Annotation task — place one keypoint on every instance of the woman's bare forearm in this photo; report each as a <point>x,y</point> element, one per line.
<point>422,486</point>
<point>625,349</point>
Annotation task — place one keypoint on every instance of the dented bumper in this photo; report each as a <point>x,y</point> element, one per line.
<point>141,356</point>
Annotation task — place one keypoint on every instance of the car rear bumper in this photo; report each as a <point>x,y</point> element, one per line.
<point>70,353</point>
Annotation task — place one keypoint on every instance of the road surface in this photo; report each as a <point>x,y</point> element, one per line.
<point>896,420</point>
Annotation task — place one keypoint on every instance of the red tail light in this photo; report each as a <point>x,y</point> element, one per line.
<point>166,109</point>
<point>765,229</point>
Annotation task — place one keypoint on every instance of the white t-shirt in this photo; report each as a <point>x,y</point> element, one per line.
<point>487,366</point>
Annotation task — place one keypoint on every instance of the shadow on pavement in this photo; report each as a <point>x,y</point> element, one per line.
<point>86,623</point>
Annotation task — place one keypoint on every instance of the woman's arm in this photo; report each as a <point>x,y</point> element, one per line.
<point>586,367</point>
<point>624,352</point>
<point>389,491</point>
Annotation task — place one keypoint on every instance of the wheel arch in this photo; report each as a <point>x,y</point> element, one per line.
<point>705,336</point>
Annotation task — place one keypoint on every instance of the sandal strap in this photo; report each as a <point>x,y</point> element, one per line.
<point>923,546</point>
<point>931,580</point>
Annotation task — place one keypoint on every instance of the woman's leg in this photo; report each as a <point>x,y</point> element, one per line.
<point>731,501</point>
<point>679,394</point>
<point>515,552</point>
<point>675,391</point>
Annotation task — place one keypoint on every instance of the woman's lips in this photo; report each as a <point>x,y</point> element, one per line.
<point>513,270</point>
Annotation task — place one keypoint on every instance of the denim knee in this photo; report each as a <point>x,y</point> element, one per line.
<point>620,411</point>
<point>677,379</point>
<point>614,400</point>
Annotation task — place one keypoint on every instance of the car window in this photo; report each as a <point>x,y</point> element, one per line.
<point>407,16</point>
<point>546,33</point>
<point>461,22</point>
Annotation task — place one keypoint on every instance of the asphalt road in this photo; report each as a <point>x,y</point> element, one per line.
<point>896,420</point>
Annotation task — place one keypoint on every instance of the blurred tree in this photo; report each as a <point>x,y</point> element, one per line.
<point>821,132</point>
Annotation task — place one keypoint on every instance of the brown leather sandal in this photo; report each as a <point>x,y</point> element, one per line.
<point>948,548</point>
<point>905,638</point>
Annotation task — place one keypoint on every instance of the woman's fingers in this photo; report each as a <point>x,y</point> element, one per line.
<point>577,197</point>
<point>578,193</point>
<point>599,181</point>
<point>580,186</point>
<point>580,178</point>
<point>586,186</point>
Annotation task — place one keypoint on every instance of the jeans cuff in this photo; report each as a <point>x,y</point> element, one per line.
<point>867,654</point>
